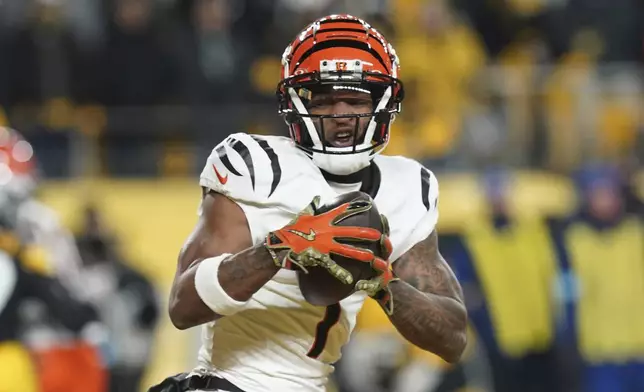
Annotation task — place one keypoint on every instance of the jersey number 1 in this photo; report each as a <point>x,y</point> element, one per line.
<point>331,317</point>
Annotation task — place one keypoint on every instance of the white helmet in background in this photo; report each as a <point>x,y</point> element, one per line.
<point>18,168</point>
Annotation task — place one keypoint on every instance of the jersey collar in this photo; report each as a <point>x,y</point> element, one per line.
<point>369,177</point>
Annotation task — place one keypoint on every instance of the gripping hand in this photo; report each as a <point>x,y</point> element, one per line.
<point>310,239</point>
<point>378,286</point>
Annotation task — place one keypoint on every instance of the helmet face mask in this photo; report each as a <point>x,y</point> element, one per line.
<point>368,137</point>
<point>340,54</point>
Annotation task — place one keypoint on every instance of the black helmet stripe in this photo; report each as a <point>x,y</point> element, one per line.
<point>333,30</point>
<point>343,43</point>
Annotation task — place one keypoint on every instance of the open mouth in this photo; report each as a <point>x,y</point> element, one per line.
<point>342,139</point>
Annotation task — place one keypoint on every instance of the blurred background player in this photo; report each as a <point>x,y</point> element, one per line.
<point>601,250</point>
<point>26,275</point>
<point>508,268</point>
<point>126,301</point>
<point>58,352</point>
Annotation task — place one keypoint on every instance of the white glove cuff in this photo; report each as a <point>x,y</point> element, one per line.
<point>211,292</point>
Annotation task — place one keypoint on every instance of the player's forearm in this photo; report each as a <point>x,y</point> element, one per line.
<point>240,276</point>
<point>432,322</point>
<point>244,273</point>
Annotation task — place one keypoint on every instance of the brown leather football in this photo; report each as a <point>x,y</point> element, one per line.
<point>318,286</point>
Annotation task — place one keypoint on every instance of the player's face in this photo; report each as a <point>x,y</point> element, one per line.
<point>341,132</point>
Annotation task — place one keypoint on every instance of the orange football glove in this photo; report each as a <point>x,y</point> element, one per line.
<point>378,286</point>
<point>310,239</point>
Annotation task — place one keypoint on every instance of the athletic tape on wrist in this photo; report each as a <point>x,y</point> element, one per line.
<point>211,292</point>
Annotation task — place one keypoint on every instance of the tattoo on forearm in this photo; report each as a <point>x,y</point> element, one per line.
<point>429,321</point>
<point>424,268</point>
<point>243,274</point>
<point>428,303</point>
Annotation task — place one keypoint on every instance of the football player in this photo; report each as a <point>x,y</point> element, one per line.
<point>26,275</point>
<point>39,226</point>
<point>236,274</point>
<point>35,221</point>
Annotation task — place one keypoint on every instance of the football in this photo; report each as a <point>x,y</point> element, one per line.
<point>318,286</point>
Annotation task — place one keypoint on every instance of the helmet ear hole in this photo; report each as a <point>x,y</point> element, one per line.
<point>292,118</point>
<point>400,94</point>
<point>299,133</point>
<point>382,117</point>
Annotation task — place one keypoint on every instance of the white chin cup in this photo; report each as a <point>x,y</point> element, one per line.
<point>342,164</point>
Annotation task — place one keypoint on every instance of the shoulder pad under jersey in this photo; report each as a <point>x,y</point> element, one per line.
<point>410,191</point>
<point>253,169</point>
<point>429,198</point>
<point>409,182</point>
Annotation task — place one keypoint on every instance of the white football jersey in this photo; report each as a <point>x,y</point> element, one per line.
<point>39,224</point>
<point>280,342</point>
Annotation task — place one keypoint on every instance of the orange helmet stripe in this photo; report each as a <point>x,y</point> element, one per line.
<point>339,49</point>
<point>347,32</point>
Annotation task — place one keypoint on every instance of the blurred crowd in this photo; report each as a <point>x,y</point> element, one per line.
<point>552,295</point>
<point>155,83</point>
<point>146,88</point>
